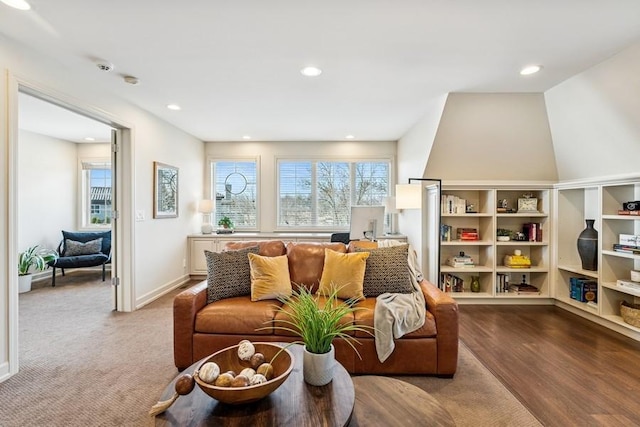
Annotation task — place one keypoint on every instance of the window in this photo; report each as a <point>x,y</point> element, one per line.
<point>321,193</point>
<point>96,191</point>
<point>236,191</point>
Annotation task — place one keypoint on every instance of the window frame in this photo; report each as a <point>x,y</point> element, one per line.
<point>84,195</point>
<point>210,186</point>
<point>390,160</point>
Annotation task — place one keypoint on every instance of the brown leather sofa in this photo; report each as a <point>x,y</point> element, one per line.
<point>201,329</point>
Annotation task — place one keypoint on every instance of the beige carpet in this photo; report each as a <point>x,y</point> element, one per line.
<point>84,365</point>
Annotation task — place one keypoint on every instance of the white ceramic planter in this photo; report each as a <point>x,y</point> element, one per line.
<point>24,283</point>
<point>317,369</point>
<point>503,238</point>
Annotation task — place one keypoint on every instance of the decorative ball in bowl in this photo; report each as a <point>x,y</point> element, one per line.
<point>228,359</point>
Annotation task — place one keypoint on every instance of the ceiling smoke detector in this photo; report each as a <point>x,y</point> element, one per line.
<point>104,66</point>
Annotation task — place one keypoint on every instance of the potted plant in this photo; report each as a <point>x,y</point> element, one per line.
<point>318,323</point>
<point>225,222</point>
<point>33,257</point>
<point>504,235</point>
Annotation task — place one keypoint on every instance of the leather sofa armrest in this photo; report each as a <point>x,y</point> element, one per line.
<point>185,307</point>
<point>445,310</point>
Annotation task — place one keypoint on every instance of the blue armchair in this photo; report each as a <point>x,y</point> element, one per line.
<point>82,249</point>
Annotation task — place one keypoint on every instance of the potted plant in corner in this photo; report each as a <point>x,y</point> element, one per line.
<point>226,224</point>
<point>318,324</point>
<point>35,257</point>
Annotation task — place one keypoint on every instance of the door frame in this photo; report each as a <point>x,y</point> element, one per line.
<point>124,231</point>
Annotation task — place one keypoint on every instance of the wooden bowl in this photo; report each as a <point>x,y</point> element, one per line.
<point>227,359</point>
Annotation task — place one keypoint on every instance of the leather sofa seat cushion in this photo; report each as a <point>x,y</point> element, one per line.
<point>265,247</point>
<point>282,316</point>
<point>232,316</point>
<point>365,317</point>
<point>306,262</point>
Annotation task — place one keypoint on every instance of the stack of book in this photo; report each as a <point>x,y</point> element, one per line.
<point>623,212</point>
<point>467,234</point>
<point>628,285</point>
<point>627,249</point>
<point>461,261</point>
<point>523,289</point>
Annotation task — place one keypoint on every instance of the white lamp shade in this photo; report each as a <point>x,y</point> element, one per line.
<point>205,206</point>
<point>408,196</point>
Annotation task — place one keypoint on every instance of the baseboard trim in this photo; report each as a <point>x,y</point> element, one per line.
<point>161,291</point>
<point>4,371</point>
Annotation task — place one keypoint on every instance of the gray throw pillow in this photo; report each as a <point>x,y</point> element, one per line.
<point>387,271</point>
<point>229,273</point>
<point>75,248</point>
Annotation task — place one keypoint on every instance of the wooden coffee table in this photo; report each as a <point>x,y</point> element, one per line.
<point>294,403</point>
<point>384,401</point>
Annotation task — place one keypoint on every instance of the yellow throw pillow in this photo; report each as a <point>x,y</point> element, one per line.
<point>269,277</point>
<point>345,272</point>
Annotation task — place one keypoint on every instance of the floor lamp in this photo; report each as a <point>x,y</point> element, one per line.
<point>409,196</point>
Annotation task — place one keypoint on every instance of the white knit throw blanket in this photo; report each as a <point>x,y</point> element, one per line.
<point>398,314</point>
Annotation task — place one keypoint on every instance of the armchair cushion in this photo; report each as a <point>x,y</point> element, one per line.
<point>74,248</point>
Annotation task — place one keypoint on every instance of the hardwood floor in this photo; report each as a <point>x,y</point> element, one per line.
<point>566,370</point>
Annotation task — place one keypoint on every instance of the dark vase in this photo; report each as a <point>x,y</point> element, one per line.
<point>588,246</point>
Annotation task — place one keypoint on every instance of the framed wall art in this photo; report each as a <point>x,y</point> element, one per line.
<point>165,191</point>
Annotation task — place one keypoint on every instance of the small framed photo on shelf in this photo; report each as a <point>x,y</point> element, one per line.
<point>165,191</point>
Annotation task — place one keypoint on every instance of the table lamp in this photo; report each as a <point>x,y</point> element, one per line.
<point>206,207</point>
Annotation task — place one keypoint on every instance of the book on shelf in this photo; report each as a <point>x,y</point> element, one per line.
<point>451,283</point>
<point>502,282</point>
<point>453,204</point>
<point>467,234</point>
<point>627,249</point>
<point>583,289</point>
<point>523,289</point>
<point>629,239</point>
<point>532,231</point>
<point>460,261</point>
<point>445,232</point>
<point>628,285</point>
<point>623,212</point>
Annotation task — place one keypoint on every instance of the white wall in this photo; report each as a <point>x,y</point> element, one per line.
<point>414,149</point>
<point>269,152</point>
<point>47,189</point>
<point>595,120</point>
<point>493,137</point>
<point>159,245</point>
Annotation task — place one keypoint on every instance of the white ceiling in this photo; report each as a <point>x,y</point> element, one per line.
<point>234,66</point>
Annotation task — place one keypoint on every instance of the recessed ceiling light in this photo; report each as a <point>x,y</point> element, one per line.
<point>530,69</point>
<point>17,4</point>
<point>349,137</point>
<point>311,71</point>
<point>246,137</point>
<point>174,107</point>
<point>89,139</point>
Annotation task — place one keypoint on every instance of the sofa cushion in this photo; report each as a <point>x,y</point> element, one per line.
<point>269,277</point>
<point>229,274</point>
<point>231,316</point>
<point>364,316</point>
<point>387,271</point>
<point>80,261</point>
<point>344,272</point>
<point>282,317</point>
<point>75,248</point>
<point>306,261</point>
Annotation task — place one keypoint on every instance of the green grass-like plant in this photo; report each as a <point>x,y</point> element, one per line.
<point>319,324</point>
<point>36,257</point>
